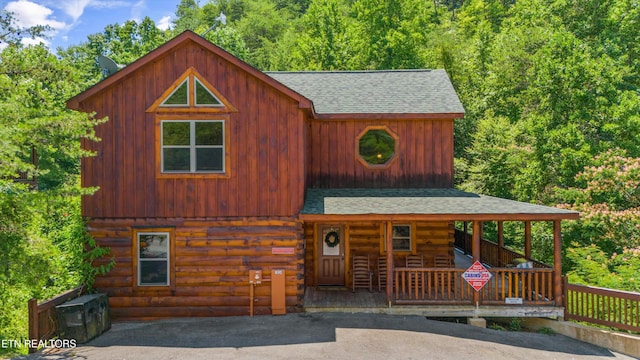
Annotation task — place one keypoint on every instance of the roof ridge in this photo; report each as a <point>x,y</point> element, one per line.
<point>351,71</point>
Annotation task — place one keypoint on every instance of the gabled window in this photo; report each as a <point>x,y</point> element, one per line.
<point>204,97</point>
<point>191,93</point>
<point>179,96</point>
<point>192,129</point>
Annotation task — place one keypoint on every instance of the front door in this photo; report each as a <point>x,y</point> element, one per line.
<point>330,255</point>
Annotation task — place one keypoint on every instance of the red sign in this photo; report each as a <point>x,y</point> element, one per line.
<point>477,276</point>
<point>282,251</point>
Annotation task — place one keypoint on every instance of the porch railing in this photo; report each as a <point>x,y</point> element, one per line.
<point>43,324</point>
<point>614,308</point>
<point>490,252</point>
<point>446,286</point>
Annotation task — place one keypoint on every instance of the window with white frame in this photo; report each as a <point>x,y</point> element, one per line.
<point>153,258</point>
<point>401,237</point>
<point>192,146</point>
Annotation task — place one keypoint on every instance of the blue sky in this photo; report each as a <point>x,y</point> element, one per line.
<point>73,20</point>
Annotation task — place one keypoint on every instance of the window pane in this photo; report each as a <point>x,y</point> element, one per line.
<point>179,96</point>
<point>176,159</point>
<point>153,246</point>
<point>208,133</point>
<point>376,147</point>
<point>402,244</point>
<point>209,159</point>
<point>153,273</point>
<point>401,231</point>
<point>175,133</point>
<point>204,97</point>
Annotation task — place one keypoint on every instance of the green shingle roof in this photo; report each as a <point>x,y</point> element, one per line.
<point>375,92</point>
<point>430,201</point>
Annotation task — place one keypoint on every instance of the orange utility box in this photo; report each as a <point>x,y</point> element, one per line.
<point>278,303</point>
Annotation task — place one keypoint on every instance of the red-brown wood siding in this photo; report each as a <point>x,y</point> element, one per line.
<point>211,266</point>
<point>266,147</point>
<point>424,157</point>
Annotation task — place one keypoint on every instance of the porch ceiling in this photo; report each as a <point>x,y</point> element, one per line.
<point>421,204</point>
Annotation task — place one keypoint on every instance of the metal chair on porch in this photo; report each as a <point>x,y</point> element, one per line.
<point>362,274</point>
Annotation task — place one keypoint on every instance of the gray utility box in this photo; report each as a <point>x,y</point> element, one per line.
<point>84,318</point>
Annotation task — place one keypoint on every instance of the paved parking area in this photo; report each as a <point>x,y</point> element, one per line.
<point>323,336</point>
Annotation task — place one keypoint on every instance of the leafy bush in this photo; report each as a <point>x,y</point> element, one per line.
<point>45,250</point>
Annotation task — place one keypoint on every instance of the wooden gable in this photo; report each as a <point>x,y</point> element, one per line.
<point>263,122</point>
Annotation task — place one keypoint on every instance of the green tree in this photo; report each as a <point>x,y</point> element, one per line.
<point>608,196</point>
<point>261,28</point>
<point>391,32</point>
<point>36,260</point>
<point>325,40</point>
<point>187,16</point>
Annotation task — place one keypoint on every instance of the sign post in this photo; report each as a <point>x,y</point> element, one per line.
<point>477,276</point>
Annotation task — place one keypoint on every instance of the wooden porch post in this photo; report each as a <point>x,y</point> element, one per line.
<point>389,242</point>
<point>466,236</point>
<point>527,240</point>
<point>475,251</point>
<point>557,263</point>
<point>500,244</point>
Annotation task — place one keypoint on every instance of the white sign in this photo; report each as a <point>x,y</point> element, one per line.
<point>477,276</point>
<point>513,301</point>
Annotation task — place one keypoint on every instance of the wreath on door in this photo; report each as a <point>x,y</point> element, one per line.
<point>332,239</point>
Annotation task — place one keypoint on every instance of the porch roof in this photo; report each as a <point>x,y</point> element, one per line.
<point>422,204</point>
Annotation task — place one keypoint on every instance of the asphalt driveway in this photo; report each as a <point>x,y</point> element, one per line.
<point>323,336</point>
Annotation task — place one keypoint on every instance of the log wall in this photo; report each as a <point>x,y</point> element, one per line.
<point>424,157</point>
<point>431,239</point>
<point>211,266</point>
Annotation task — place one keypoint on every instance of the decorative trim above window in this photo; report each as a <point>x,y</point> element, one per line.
<point>154,258</point>
<point>376,147</point>
<point>191,93</point>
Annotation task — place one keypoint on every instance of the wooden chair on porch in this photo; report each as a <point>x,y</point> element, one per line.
<point>415,261</point>
<point>382,273</point>
<point>443,281</point>
<point>362,274</point>
<point>441,261</point>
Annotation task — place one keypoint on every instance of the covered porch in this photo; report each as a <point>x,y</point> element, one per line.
<point>370,221</point>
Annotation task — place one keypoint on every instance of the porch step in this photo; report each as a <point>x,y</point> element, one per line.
<point>363,301</point>
<point>448,311</point>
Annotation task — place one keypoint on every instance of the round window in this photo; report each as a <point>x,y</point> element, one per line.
<point>376,146</point>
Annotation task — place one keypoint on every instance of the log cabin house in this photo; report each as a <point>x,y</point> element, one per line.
<point>209,169</point>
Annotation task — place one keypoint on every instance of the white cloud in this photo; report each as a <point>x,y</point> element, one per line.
<point>29,14</point>
<point>75,8</point>
<point>164,23</point>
